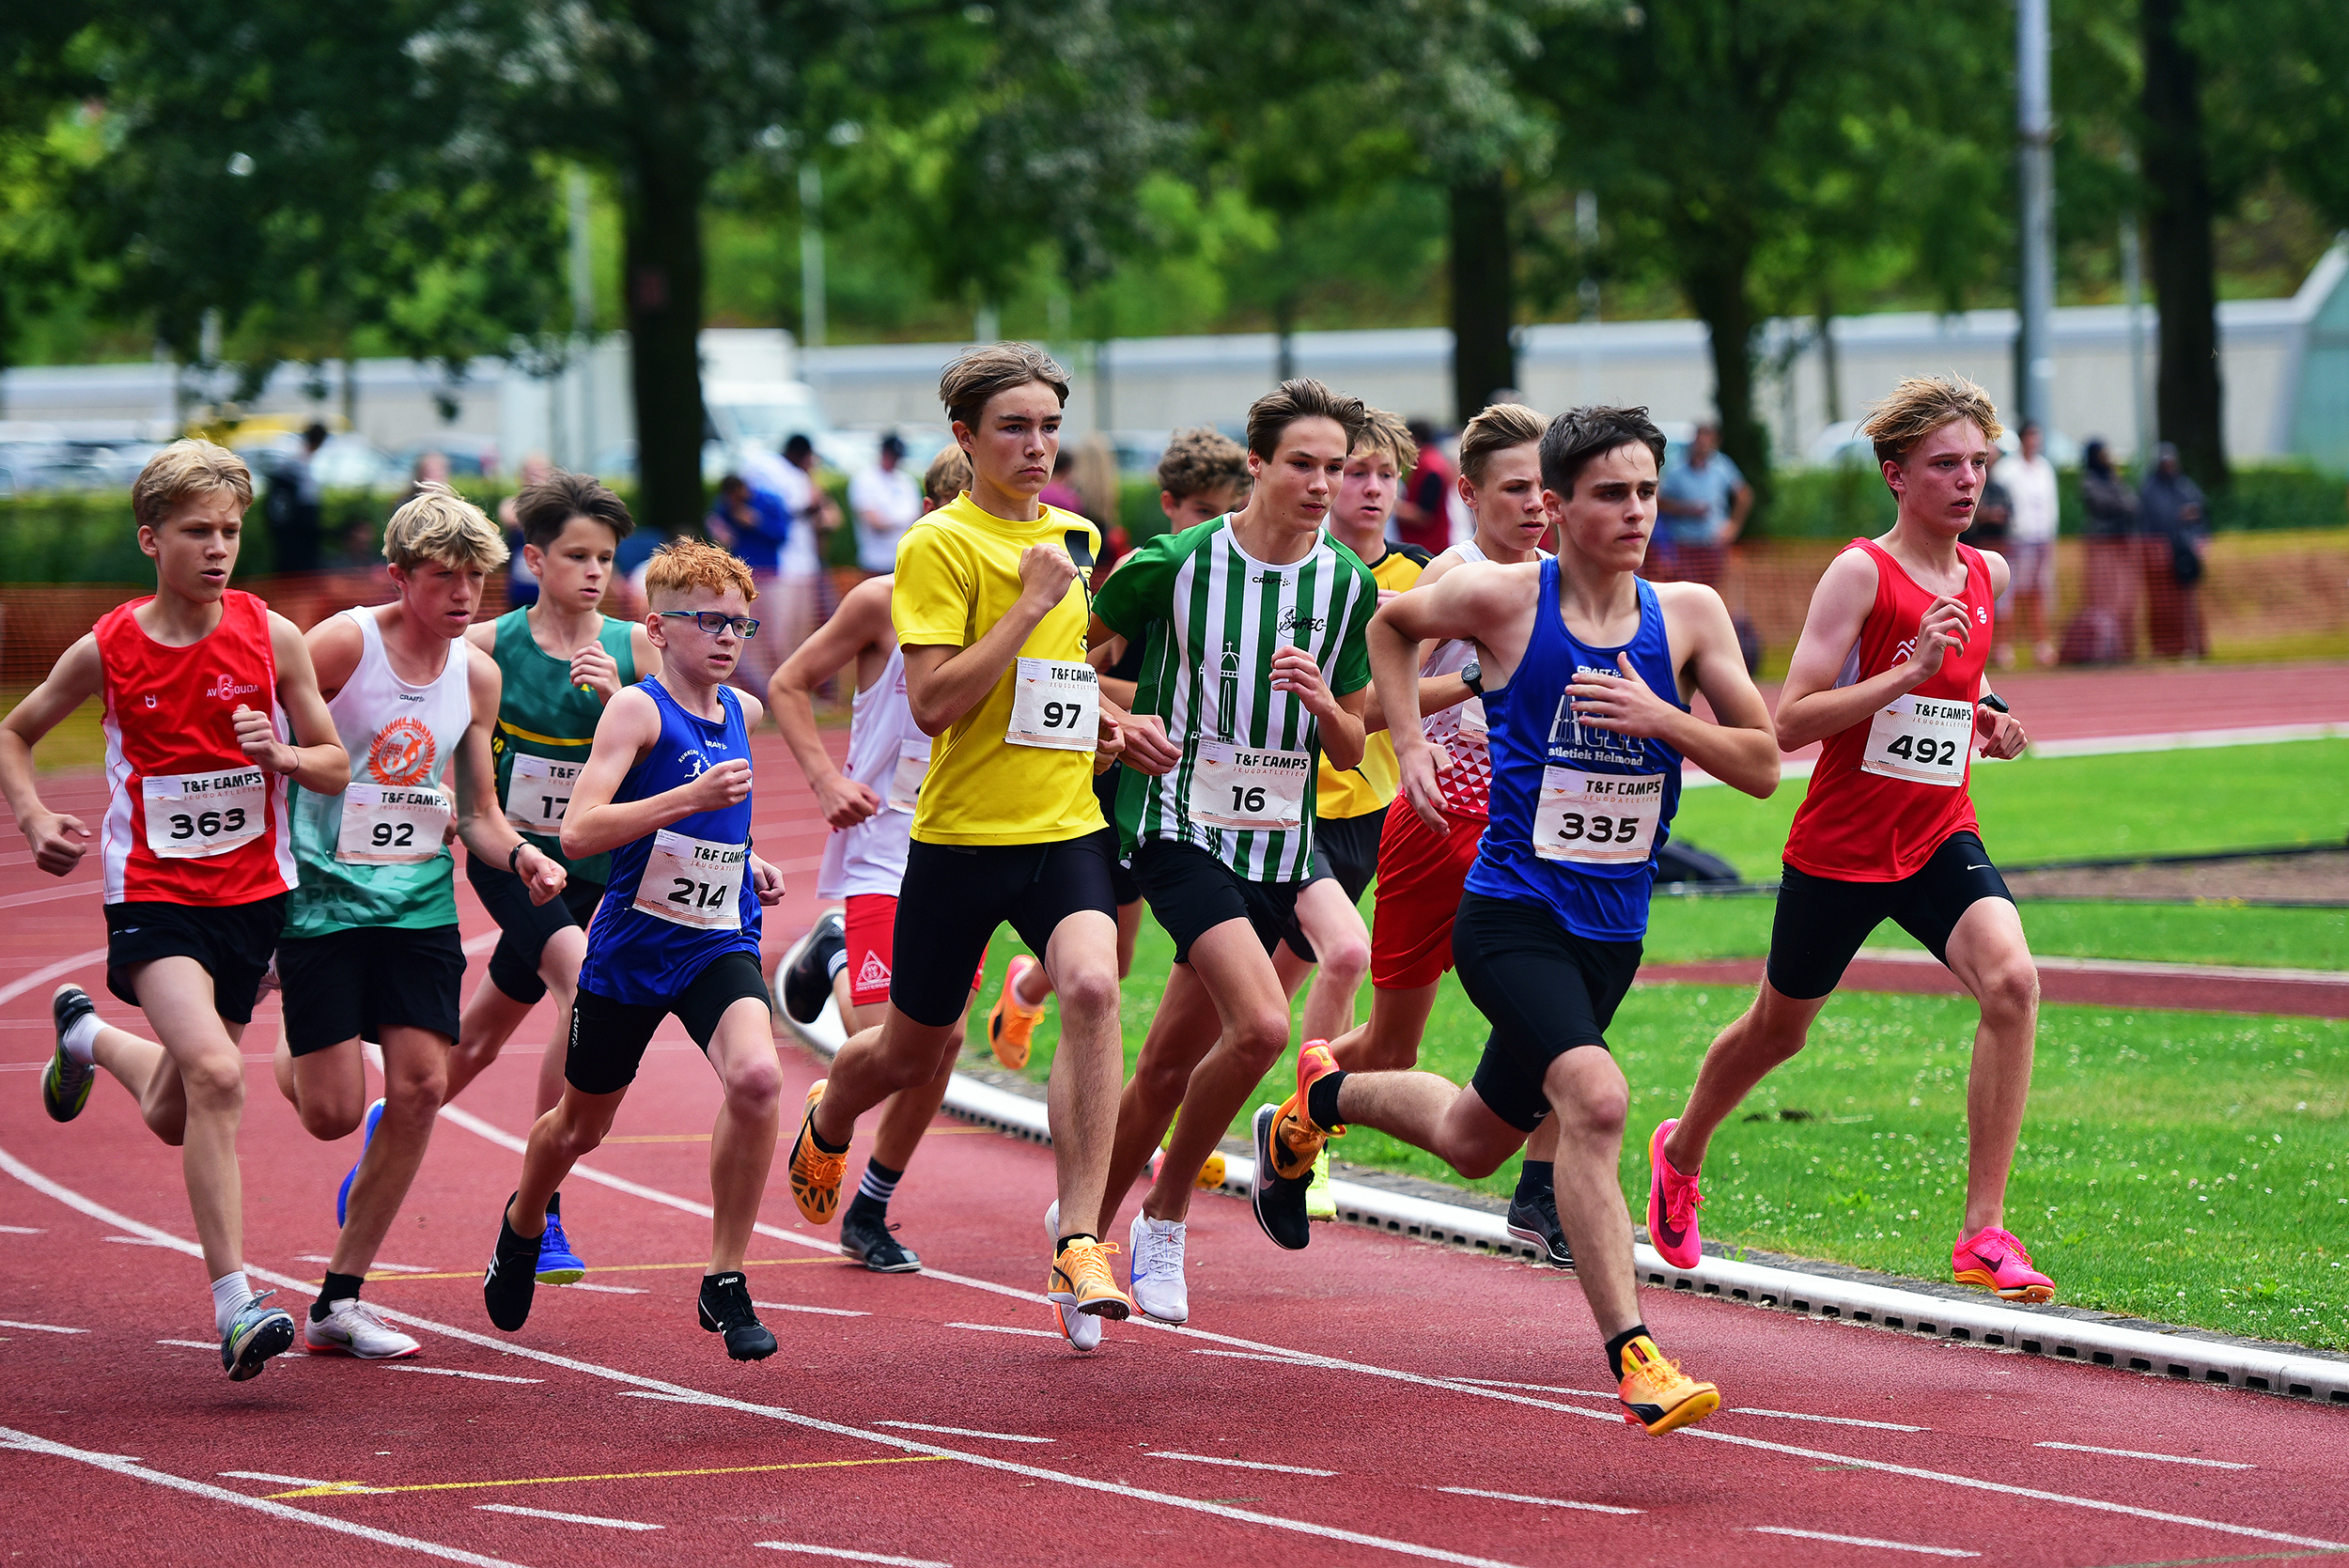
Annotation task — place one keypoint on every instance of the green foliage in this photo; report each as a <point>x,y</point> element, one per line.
<point>1842,503</point>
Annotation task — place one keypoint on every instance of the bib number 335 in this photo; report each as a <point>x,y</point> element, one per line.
<point>694,882</point>
<point>1923,739</point>
<point>1597,818</point>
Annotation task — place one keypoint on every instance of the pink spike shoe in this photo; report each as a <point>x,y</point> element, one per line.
<point>1993,1258</point>
<point>1671,1204</point>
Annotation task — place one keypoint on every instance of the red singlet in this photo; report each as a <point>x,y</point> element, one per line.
<point>189,819</point>
<point>1892,789</point>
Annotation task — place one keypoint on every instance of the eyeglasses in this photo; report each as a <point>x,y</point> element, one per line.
<point>716,621</point>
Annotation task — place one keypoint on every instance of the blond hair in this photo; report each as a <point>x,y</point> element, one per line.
<point>682,565</point>
<point>976,375</point>
<point>182,471</point>
<point>1497,428</point>
<point>1386,432</point>
<point>949,475</point>
<point>1921,405</point>
<point>438,524</point>
<point>1200,459</point>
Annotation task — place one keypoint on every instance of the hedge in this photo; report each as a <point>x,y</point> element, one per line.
<point>1842,503</point>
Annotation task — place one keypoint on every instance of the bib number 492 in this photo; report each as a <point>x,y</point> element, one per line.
<point>1925,752</point>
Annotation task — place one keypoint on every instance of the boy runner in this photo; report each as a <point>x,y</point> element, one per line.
<point>560,660</point>
<point>1421,872</point>
<point>666,793</point>
<point>200,682</point>
<point>1239,618</point>
<point>1889,674</point>
<point>991,614</point>
<point>1587,675</point>
<point>370,949</point>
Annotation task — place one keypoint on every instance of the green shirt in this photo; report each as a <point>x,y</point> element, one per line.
<point>541,715</point>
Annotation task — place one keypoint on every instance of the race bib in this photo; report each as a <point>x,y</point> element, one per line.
<point>1597,818</point>
<point>1923,739</point>
<point>913,764</point>
<point>537,792</point>
<point>195,815</point>
<point>1473,720</point>
<point>1054,705</point>
<point>1253,791</point>
<point>391,824</point>
<point>692,881</point>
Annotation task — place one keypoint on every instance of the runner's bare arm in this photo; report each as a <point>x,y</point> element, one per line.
<point>334,646</point>
<point>944,682</point>
<point>320,764</point>
<point>1810,706</point>
<point>862,619</point>
<point>488,835</point>
<point>1741,748</point>
<point>57,839</point>
<point>629,728</point>
<point>1468,600</point>
<point>2002,573</point>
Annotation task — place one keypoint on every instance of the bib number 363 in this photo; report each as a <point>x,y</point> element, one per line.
<point>1054,705</point>
<point>1597,818</point>
<point>389,825</point>
<point>1923,739</point>
<point>692,881</point>
<point>195,815</point>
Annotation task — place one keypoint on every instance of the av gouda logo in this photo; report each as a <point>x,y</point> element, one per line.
<point>226,689</point>
<point>403,754</point>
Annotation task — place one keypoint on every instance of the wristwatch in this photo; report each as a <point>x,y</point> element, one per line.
<point>1473,677</point>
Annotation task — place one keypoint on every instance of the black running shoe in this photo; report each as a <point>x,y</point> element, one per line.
<point>1279,1201</point>
<point>725,1308</point>
<point>1535,1219</point>
<point>513,1276</point>
<point>807,979</point>
<point>65,1083</point>
<point>867,1237</point>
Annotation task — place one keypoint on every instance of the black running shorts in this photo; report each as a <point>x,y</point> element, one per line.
<point>1346,848</point>
<point>1821,922</point>
<point>608,1037</point>
<point>524,927</point>
<point>954,896</point>
<point>231,941</point>
<point>1544,990</point>
<point>354,985</point>
<point>1121,884</point>
<point>1193,893</point>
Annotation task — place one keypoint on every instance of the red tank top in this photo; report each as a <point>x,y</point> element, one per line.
<point>190,819</point>
<point>1892,789</point>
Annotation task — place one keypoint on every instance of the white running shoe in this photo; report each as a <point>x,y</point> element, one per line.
<point>1157,1261</point>
<point>1082,1329</point>
<point>351,1329</point>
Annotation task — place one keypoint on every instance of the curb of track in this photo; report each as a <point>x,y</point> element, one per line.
<point>2278,1370</point>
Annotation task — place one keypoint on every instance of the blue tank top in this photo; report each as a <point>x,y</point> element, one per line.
<point>647,959</point>
<point>1599,804</point>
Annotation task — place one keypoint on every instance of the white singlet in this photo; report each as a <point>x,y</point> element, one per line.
<point>1468,784</point>
<point>888,753</point>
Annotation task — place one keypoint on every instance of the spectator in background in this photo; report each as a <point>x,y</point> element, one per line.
<point>1062,491</point>
<point>1702,501</point>
<point>295,508</point>
<point>2030,479</point>
<point>1994,519</point>
<point>2173,519</point>
<point>753,521</point>
<point>2114,573</point>
<point>1422,513</point>
<point>949,475</point>
<point>521,584</point>
<point>886,502</point>
<point>431,469</point>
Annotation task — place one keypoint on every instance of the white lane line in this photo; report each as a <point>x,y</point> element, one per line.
<point>964,1432</point>
<point>20,1229</point>
<point>1006,1329</point>
<point>1540,1503</point>
<point>673,1399</point>
<point>1534,1387</point>
<point>133,1241</point>
<point>2164,1458</point>
<point>847,1556</point>
<point>27,1442</point>
<point>40,1328</point>
<point>474,1123</point>
<point>1837,1421</point>
<point>795,1307</point>
<point>1235,1463</point>
<point>606,1289</point>
<point>280,1480</point>
<point>196,1345</point>
<point>564,1518</point>
<point>1247,1356</point>
<point>57,971</point>
<point>1860,1541</point>
<point>452,1371</point>
<point>391,1267</point>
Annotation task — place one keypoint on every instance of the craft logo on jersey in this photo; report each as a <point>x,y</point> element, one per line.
<point>403,754</point>
<point>224,687</point>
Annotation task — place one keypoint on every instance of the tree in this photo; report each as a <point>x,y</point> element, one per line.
<point>2182,207</point>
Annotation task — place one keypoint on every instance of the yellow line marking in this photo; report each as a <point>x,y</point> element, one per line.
<point>359,1488</point>
<point>608,1269</point>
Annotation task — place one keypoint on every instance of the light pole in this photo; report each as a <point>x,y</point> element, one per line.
<point>2035,135</point>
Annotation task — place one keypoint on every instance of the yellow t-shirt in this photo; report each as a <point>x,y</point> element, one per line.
<point>958,575</point>
<point>1360,791</point>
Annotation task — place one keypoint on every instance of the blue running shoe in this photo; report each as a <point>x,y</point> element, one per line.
<point>342,1195</point>
<point>255,1334</point>
<point>557,1264</point>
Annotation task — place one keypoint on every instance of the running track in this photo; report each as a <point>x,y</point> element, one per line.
<point>612,1410</point>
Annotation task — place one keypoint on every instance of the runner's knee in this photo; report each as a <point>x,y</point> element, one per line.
<point>755,1088</point>
<point>1260,1039</point>
<point>214,1080</point>
<point>2009,991</point>
<point>1088,993</point>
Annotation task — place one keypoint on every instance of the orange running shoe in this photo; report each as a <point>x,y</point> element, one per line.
<point>1993,1258</point>
<point>1288,1144</point>
<point>1080,1277</point>
<point>815,1174</point>
<point>1010,1026</point>
<point>1659,1396</point>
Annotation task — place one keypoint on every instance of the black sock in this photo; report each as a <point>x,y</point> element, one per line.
<point>1080,1235</point>
<point>554,1204</point>
<point>823,1144</point>
<point>1321,1099</point>
<point>1614,1348</point>
<point>338,1287</point>
<point>1535,1177</point>
<point>874,1192</point>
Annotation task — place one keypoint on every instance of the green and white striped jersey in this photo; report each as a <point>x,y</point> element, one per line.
<point>1209,618</point>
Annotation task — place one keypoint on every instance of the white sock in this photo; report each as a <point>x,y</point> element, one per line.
<point>229,1294</point>
<point>81,1040</point>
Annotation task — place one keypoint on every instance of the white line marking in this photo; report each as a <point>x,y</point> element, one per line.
<point>2132,1453</point>
<point>20,1229</point>
<point>564,1518</point>
<point>1536,1387</point>
<point>2111,745</point>
<point>964,1432</point>
<point>1541,1502</point>
<point>57,971</point>
<point>795,1307</point>
<point>673,1399</point>
<point>136,1241</point>
<point>40,1328</point>
<point>606,1289</point>
<point>1834,1420</point>
<point>393,1268</point>
<point>1861,1541</point>
<point>25,1442</point>
<point>196,1345</point>
<point>452,1371</point>
<point>845,1555</point>
<point>1246,1356</point>
<point>1235,1463</point>
<point>1006,1329</point>
<point>281,1479</point>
